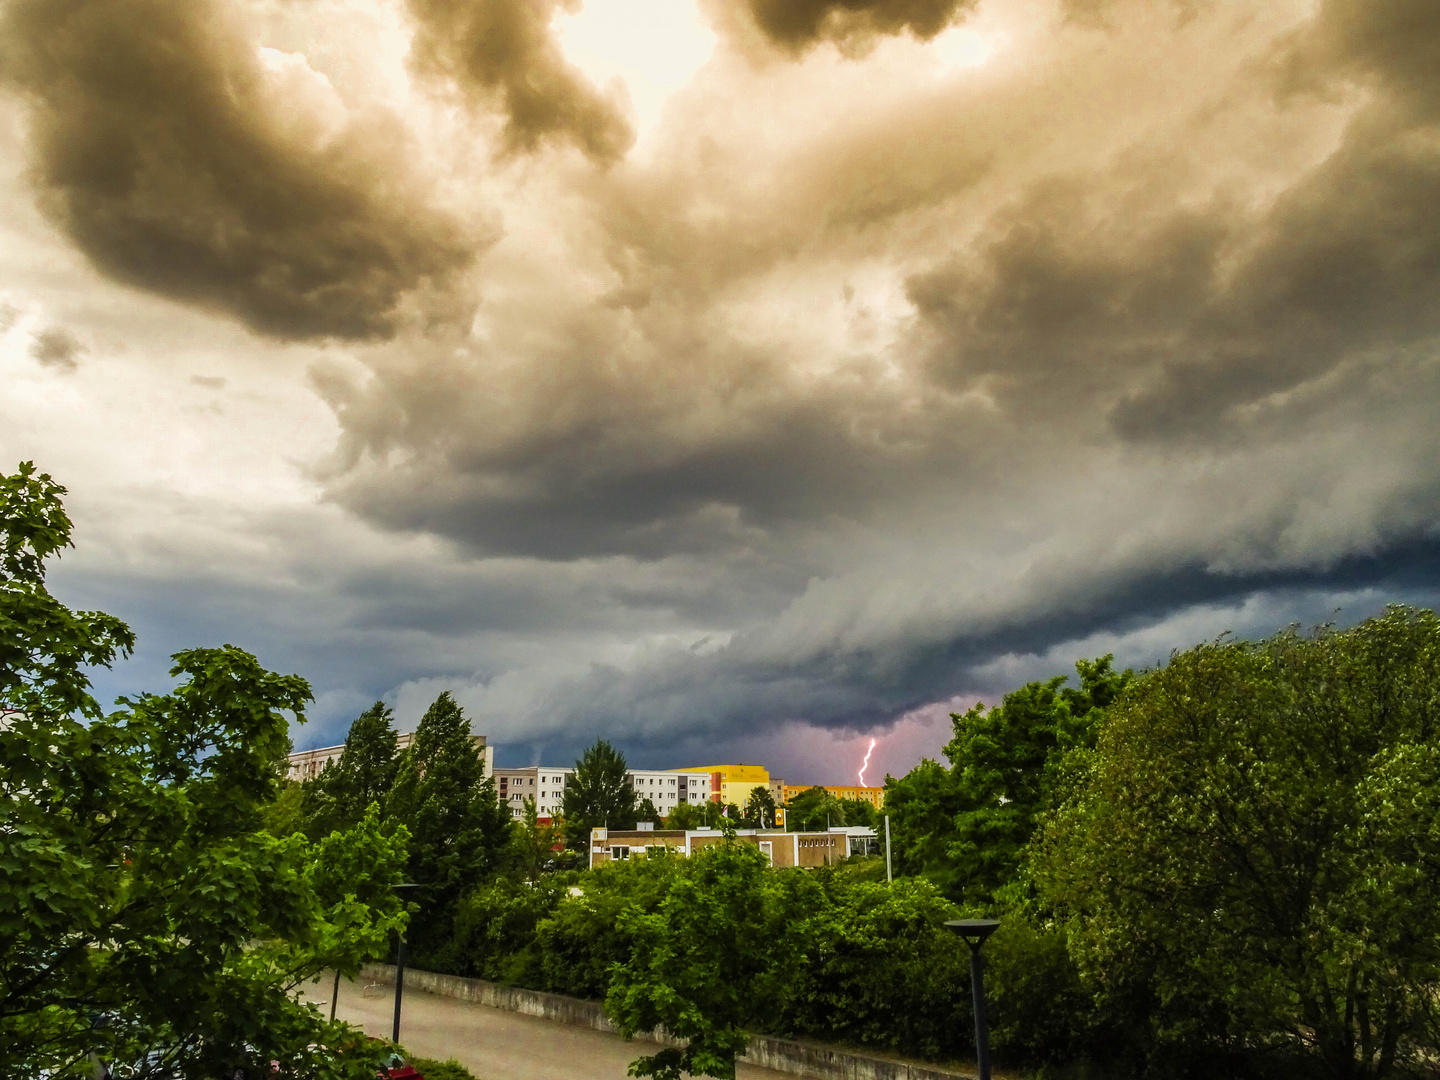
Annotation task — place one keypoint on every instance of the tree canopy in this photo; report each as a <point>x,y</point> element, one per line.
<point>599,794</point>
<point>458,829</point>
<point>145,916</point>
<point>1250,863</point>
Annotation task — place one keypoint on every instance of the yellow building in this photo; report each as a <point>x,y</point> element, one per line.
<point>875,796</point>
<point>733,783</point>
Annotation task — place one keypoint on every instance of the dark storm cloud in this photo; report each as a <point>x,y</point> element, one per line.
<point>505,52</point>
<point>1146,366</point>
<point>58,348</point>
<point>159,150</point>
<point>796,25</point>
<point>1187,315</point>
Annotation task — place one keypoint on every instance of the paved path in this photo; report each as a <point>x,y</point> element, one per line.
<point>495,1044</point>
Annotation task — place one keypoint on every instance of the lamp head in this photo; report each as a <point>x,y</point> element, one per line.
<point>974,931</point>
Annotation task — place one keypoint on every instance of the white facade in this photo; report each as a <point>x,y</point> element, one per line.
<point>543,783</point>
<point>308,764</point>
<point>669,788</point>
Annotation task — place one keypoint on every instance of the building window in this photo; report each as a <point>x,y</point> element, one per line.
<point>619,853</point>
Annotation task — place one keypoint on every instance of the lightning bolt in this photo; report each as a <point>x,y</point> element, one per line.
<point>866,763</point>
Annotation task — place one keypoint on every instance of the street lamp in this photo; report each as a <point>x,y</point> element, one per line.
<point>975,931</point>
<point>400,965</point>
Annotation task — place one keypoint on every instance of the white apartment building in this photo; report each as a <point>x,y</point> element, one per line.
<point>543,783</point>
<point>308,764</point>
<point>669,788</point>
<point>666,789</point>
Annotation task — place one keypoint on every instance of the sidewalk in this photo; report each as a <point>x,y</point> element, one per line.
<point>495,1044</point>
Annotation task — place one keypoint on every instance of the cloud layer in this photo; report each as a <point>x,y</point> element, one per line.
<point>919,343</point>
<point>180,164</point>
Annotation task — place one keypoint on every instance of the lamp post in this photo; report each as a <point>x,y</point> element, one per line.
<point>975,931</point>
<point>400,965</point>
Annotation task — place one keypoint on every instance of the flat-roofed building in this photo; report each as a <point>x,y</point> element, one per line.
<point>875,796</point>
<point>782,849</point>
<point>543,783</point>
<point>734,783</point>
<point>308,764</point>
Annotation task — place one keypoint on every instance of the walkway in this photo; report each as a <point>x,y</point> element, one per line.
<point>492,1043</point>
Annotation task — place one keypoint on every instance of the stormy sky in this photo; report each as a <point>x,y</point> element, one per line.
<point>735,379</point>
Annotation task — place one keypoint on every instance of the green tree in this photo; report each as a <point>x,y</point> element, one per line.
<point>1249,866</point>
<point>814,810</point>
<point>531,843</point>
<point>859,812</point>
<point>364,774</point>
<point>598,795</point>
<point>686,816</point>
<point>922,806</point>
<point>646,811</point>
<point>697,963</point>
<point>759,811</point>
<point>136,883</point>
<point>457,826</point>
<point>1009,763</point>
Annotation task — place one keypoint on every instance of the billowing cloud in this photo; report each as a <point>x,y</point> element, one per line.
<point>874,375</point>
<point>505,53</point>
<point>180,164</point>
<point>795,25</point>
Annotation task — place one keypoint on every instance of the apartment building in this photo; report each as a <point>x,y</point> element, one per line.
<point>543,783</point>
<point>875,796</point>
<point>308,764</point>
<point>734,783</point>
<point>669,788</point>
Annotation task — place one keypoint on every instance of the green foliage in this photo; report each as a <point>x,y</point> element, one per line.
<point>532,845</point>
<point>759,810</point>
<point>686,816</point>
<point>1008,765</point>
<point>143,910</point>
<point>44,646</point>
<point>860,812</point>
<point>364,774</point>
<point>1250,865</point>
<point>450,1069</point>
<point>599,795</point>
<point>814,810</point>
<point>457,827</point>
<point>695,961</point>
<point>646,811</point>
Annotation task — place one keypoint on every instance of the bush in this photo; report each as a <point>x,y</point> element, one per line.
<point>442,1070</point>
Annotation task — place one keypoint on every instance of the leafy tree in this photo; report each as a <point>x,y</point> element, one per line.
<point>859,812</point>
<point>1249,865</point>
<point>814,810</point>
<point>1009,763</point>
<point>144,913</point>
<point>696,962</point>
<point>532,844</point>
<point>686,816</point>
<point>646,811</point>
<point>599,795</point>
<point>759,812</point>
<point>364,773</point>
<point>457,826</point>
<point>922,806</point>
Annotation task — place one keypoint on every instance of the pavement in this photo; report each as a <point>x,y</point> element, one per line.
<point>494,1044</point>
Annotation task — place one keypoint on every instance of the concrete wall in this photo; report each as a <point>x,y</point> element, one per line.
<point>783,1055</point>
